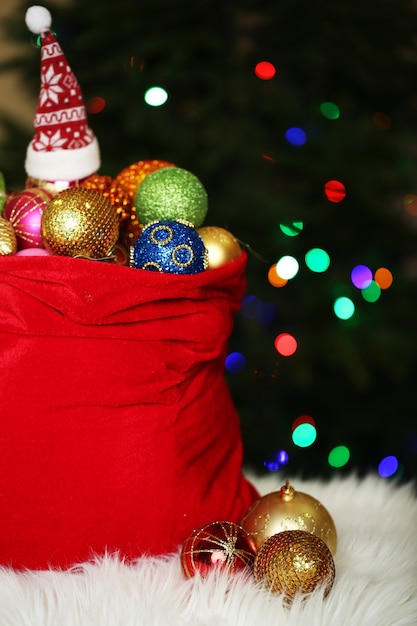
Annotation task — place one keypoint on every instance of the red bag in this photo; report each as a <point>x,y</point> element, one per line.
<point>118,432</point>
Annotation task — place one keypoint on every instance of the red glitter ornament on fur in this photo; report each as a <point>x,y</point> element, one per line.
<point>218,544</point>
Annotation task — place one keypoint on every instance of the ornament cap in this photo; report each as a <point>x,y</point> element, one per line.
<point>287,492</point>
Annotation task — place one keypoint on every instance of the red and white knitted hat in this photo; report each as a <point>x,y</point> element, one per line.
<point>64,147</point>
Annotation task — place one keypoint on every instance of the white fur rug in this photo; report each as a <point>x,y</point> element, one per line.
<point>375,585</point>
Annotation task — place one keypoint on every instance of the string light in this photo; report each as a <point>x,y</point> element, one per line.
<point>335,191</point>
<point>265,70</point>
<point>274,279</point>
<point>339,456</point>
<point>372,292</point>
<point>317,260</point>
<point>388,466</point>
<point>304,435</point>
<point>384,277</point>
<point>330,110</point>
<point>361,276</point>
<point>235,362</point>
<point>287,267</point>
<point>296,136</point>
<point>292,229</point>
<point>343,308</point>
<point>156,96</point>
<point>285,344</point>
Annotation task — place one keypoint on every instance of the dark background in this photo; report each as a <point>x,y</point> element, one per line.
<point>356,378</point>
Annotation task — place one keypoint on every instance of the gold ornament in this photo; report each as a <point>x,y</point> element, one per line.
<point>221,245</point>
<point>288,509</point>
<point>80,222</point>
<point>8,241</point>
<point>294,561</point>
<point>123,191</point>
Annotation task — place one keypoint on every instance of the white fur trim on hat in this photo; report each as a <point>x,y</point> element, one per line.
<point>63,164</point>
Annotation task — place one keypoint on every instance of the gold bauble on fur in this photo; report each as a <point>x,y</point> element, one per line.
<point>294,561</point>
<point>288,509</point>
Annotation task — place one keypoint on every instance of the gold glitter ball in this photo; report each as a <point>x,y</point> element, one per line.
<point>8,241</point>
<point>294,562</point>
<point>80,222</point>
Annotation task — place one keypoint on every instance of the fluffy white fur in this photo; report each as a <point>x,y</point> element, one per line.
<point>375,585</point>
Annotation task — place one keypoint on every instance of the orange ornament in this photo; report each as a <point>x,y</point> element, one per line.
<point>123,191</point>
<point>102,184</point>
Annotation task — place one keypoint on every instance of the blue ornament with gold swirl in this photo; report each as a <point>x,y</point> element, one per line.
<point>170,246</point>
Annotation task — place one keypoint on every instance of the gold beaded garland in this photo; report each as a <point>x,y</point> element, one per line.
<point>80,222</point>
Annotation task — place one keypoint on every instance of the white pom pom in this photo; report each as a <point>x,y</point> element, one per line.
<point>38,19</point>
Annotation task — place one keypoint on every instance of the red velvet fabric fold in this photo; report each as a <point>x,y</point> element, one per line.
<point>118,432</point>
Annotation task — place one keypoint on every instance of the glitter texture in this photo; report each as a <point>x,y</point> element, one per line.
<point>170,246</point>
<point>171,193</point>
<point>80,222</point>
<point>8,241</point>
<point>294,561</point>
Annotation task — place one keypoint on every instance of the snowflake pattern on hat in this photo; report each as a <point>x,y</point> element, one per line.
<point>64,147</point>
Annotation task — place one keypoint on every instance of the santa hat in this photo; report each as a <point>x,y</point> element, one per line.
<point>64,147</point>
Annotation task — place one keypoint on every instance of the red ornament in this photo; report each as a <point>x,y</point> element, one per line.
<point>24,211</point>
<point>218,544</point>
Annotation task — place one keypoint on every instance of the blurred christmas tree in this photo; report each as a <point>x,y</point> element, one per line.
<point>267,102</point>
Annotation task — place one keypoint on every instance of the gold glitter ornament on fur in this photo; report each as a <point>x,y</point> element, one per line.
<point>80,222</point>
<point>8,241</point>
<point>288,509</point>
<point>294,561</point>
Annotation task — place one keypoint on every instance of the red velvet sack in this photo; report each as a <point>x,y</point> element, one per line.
<point>118,432</point>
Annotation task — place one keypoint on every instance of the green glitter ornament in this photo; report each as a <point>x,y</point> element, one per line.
<point>171,193</point>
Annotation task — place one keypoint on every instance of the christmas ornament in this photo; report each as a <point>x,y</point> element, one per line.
<point>8,241</point>
<point>171,193</point>
<point>221,245</point>
<point>99,183</point>
<point>288,509</point>
<point>80,222</point>
<point>125,185</point>
<point>171,246</point>
<point>33,252</point>
<point>54,186</point>
<point>294,561</point>
<point>24,211</point>
<point>218,544</point>
<point>2,193</point>
<point>63,147</point>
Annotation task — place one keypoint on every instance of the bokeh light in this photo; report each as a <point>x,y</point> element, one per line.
<point>156,96</point>
<point>303,419</point>
<point>410,203</point>
<point>330,110</point>
<point>276,461</point>
<point>296,136</point>
<point>334,190</point>
<point>287,267</point>
<point>235,362</point>
<point>95,105</point>
<point>292,229</point>
<point>382,120</point>
<point>384,277</point>
<point>265,70</point>
<point>372,292</point>
<point>339,456</point>
<point>361,276</point>
<point>344,308</point>
<point>388,466</point>
<point>274,279</point>
<point>285,344</point>
<point>304,435</point>
<point>317,260</point>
